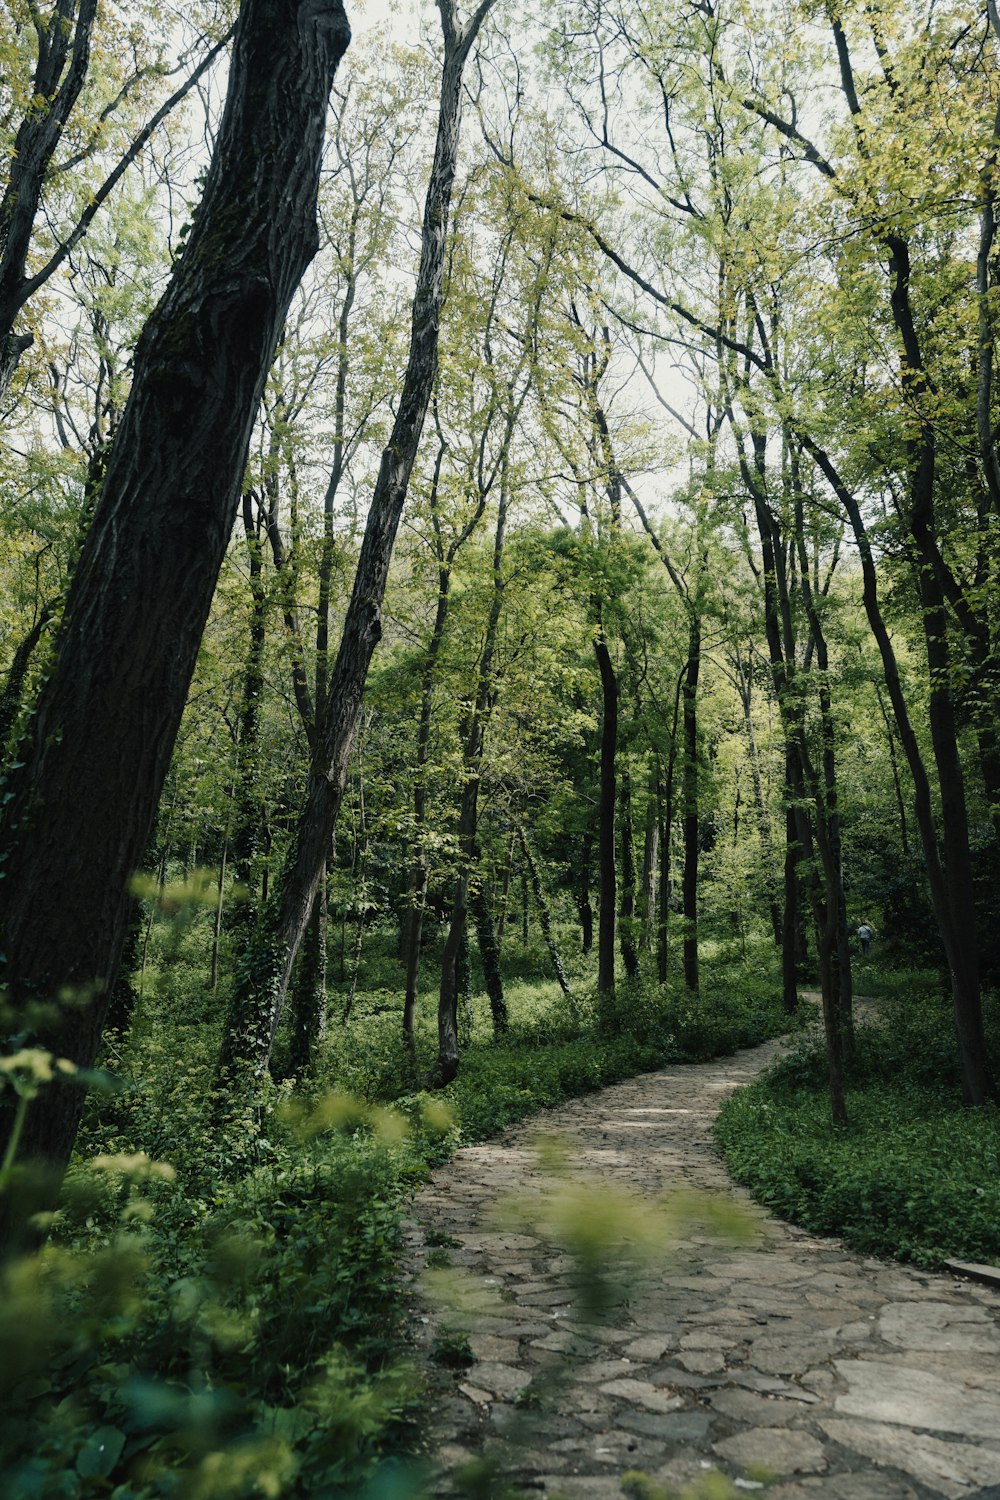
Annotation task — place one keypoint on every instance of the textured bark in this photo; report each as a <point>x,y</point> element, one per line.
<point>265,980</point>
<point>145,580</point>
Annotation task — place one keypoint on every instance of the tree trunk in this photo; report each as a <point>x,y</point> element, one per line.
<point>13,688</point>
<point>144,583</point>
<point>446,1066</point>
<point>650,862</point>
<point>309,996</point>
<point>584,905</point>
<point>545,917</point>
<point>472,759</point>
<point>490,955</point>
<point>416,894</point>
<point>791,925</point>
<point>265,982</point>
<point>247,811</point>
<point>606,834</point>
<point>665,814</point>
<point>630,957</point>
<point>953,906</point>
<point>689,882</point>
<point>508,869</point>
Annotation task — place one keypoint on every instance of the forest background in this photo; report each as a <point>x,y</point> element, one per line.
<point>673,330</point>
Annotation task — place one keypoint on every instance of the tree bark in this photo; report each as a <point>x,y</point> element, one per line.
<point>144,583</point>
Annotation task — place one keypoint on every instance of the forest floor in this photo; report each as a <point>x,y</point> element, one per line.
<point>784,1359</point>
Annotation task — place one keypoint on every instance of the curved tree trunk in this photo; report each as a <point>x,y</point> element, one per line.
<point>144,583</point>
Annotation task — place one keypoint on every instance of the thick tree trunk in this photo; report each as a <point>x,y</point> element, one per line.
<point>144,583</point>
<point>606,833</point>
<point>265,981</point>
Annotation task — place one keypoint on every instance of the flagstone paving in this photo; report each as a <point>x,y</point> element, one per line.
<point>786,1358</point>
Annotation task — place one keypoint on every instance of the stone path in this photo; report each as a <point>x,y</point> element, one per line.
<point>787,1358</point>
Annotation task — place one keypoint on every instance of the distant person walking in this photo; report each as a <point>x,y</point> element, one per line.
<point>864,938</point>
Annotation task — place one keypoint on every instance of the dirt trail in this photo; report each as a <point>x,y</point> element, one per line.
<point>839,1376</point>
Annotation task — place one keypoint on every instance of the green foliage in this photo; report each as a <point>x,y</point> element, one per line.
<point>915,1176</point>
<point>248,1345</point>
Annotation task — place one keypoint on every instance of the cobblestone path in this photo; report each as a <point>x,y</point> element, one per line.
<point>787,1357</point>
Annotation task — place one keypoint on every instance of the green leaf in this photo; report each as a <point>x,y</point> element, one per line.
<point>100,1453</point>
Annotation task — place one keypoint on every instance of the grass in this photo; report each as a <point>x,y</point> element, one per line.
<point>916,1175</point>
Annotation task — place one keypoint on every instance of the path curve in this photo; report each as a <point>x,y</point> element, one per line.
<point>841,1376</point>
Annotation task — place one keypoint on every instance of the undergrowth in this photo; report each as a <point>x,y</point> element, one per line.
<point>220,1310</point>
<point>915,1175</point>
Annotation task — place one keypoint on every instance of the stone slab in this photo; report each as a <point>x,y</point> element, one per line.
<point>907,1397</point>
<point>950,1469</point>
<point>773,1450</point>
